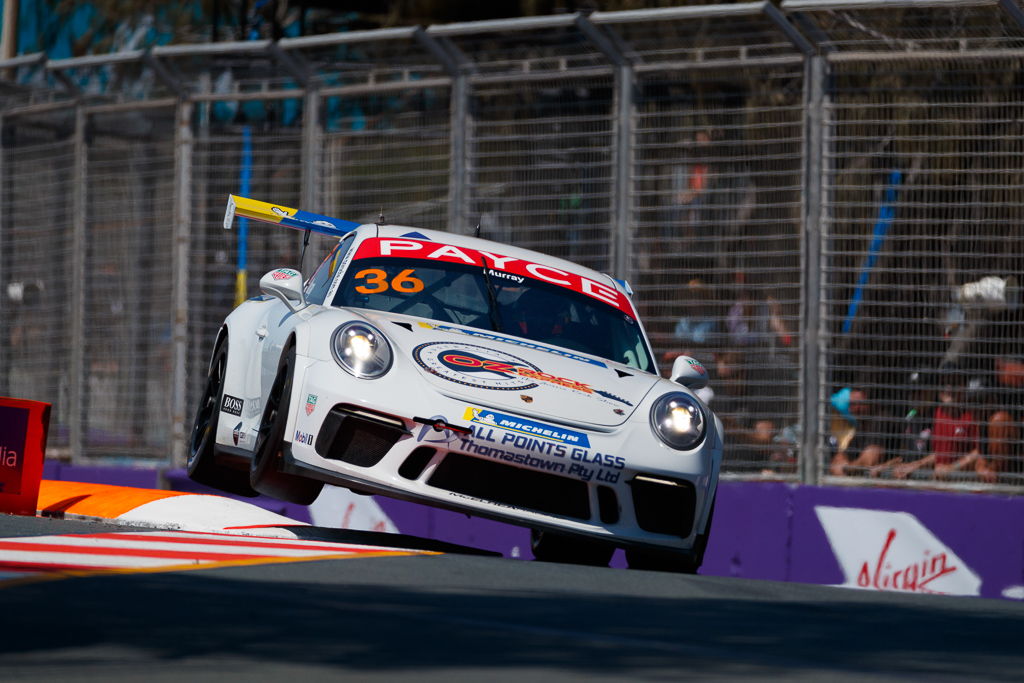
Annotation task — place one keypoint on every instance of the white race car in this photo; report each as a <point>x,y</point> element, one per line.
<point>464,374</point>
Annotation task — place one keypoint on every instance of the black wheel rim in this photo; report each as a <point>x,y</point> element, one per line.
<point>270,416</point>
<point>202,430</point>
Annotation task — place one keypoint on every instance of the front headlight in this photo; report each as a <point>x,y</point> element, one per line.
<point>678,420</point>
<point>361,350</point>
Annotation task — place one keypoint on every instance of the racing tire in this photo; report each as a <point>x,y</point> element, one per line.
<point>661,561</point>
<point>202,466</point>
<point>551,547</point>
<point>265,475</point>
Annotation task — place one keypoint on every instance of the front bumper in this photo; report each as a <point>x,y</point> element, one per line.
<point>624,487</point>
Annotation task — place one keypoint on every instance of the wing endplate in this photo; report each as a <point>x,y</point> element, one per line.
<point>282,215</point>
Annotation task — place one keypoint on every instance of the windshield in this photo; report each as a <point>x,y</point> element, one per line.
<point>520,306</point>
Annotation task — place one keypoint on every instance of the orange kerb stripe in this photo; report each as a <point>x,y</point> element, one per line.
<point>95,500</point>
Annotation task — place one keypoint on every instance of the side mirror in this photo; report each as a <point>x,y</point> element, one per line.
<point>286,285</point>
<point>689,372</point>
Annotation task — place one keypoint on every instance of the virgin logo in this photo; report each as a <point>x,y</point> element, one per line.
<point>893,551</point>
<point>881,575</point>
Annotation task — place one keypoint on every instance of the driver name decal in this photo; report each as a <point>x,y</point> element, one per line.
<point>376,247</point>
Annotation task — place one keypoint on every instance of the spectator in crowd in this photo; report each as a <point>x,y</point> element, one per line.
<point>688,230</point>
<point>753,378</point>
<point>689,183</point>
<point>745,416</point>
<point>955,438</point>
<point>698,331</point>
<point>1003,428</point>
<point>861,439</point>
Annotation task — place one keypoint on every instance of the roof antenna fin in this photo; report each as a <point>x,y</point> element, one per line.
<point>476,233</point>
<point>380,218</point>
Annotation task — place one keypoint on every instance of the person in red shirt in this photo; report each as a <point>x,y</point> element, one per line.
<point>956,443</point>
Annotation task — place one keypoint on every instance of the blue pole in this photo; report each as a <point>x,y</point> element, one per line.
<point>241,286</point>
<point>886,214</point>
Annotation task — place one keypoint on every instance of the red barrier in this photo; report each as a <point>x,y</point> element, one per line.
<point>23,428</point>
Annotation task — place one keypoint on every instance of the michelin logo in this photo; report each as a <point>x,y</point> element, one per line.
<point>519,425</point>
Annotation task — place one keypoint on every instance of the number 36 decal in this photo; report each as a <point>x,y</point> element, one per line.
<point>376,281</point>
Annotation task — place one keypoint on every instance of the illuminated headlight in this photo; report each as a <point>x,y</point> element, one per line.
<point>361,350</point>
<point>678,420</point>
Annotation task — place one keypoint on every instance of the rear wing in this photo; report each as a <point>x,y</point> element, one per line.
<point>282,215</point>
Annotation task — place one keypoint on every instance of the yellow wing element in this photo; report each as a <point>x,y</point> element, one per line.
<point>286,216</point>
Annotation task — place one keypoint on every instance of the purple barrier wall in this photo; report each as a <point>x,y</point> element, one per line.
<point>876,539</point>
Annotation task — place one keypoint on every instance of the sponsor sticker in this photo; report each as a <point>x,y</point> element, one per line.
<point>427,433</point>
<point>474,366</point>
<point>311,403</point>
<point>697,366</point>
<point>611,396</point>
<point>520,425</point>
<point>893,551</point>
<point>284,274</point>
<point>479,366</point>
<point>509,267</point>
<point>303,437</point>
<point>238,434</point>
<point>232,405</point>
<point>13,429</point>
<point>515,342</point>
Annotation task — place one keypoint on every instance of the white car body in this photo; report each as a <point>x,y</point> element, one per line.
<point>562,442</point>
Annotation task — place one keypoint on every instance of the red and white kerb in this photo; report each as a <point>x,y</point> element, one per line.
<point>434,251</point>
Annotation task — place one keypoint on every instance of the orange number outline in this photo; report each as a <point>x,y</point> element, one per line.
<point>404,282</point>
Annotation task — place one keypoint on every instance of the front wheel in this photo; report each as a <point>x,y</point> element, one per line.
<point>265,473</point>
<point>202,466</point>
<point>551,547</point>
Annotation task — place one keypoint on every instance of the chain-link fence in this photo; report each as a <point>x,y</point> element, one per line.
<point>820,200</point>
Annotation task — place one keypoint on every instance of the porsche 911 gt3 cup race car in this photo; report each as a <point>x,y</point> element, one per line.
<point>464,374</point>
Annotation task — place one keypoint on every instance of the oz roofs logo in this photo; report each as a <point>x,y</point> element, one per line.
<point>474,366</point>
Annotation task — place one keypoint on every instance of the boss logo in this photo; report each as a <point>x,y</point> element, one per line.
<point>232,405</point>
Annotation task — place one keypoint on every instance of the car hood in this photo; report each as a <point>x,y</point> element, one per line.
<point>501,371</point>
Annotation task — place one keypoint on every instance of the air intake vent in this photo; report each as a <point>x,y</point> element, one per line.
<point>416,462</point>
<point>608,504</point>
<point>515,486</point>
<point>663,506</point>
<point>358,437</point>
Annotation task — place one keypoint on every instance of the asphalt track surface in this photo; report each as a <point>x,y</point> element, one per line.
<point>471,617</point>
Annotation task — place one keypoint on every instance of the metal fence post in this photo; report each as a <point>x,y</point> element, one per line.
<point>621,243</point>
<point>812,387</point>
<point>311,145</point>
<point>622,190</point>
<point>77,384</point>
<point>182,237</point>
<point>458,171</point>
<point>458,67</point>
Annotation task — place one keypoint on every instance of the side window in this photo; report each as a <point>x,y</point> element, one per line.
<point>316,288</point>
